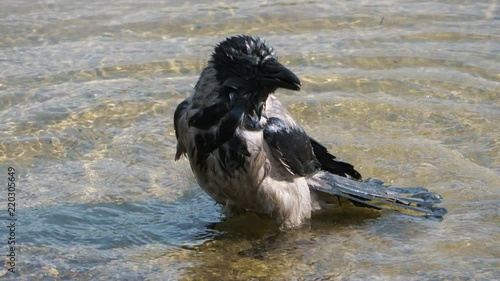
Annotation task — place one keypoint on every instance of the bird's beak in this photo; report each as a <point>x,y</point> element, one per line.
<point>276,75</point>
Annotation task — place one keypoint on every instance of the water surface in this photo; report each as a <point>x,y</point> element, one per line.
<point>407,91</point>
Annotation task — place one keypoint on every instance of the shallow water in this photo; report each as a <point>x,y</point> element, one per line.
<point>407,91</point>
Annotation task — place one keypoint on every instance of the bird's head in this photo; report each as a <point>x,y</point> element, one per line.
<point>247,63</point>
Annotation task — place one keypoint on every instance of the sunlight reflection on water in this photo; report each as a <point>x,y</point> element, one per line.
<point>408,93</point>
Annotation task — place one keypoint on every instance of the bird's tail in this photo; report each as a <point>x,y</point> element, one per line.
<point>412,201</point>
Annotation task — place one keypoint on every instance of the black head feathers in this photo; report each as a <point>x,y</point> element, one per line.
<point>243,49</point>
<point>248,64</point>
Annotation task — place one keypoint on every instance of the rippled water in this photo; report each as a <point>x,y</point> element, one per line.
<point>407,91</point>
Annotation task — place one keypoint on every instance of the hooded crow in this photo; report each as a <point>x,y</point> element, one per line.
<point>249,154</point>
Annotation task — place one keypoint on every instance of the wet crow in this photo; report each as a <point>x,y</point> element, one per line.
<point>249,154</point>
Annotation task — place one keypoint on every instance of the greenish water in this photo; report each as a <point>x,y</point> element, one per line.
<point>407,91</point>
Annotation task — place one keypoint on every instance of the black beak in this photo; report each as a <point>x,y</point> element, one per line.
<point>273,74</point>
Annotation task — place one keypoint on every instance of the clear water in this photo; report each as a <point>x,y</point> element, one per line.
<point>407,91</point>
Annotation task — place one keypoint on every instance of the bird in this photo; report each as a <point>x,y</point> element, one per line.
<point>249,154</point>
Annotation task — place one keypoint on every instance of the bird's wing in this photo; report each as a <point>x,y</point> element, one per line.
<point>298,152</point>
<point>328,162</point>
<point>413,201</point>
<point>291,146</point>
<point>180,113</point>
<point>180,110</point>
<point>209,124</point>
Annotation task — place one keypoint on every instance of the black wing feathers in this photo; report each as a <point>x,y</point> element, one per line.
<point>181,107</point>
<point>329,164</point>
<point>208,116</point>
<point>291,146</point>
<point>218,131</point>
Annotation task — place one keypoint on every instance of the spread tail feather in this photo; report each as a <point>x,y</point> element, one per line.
<point>412,201</point>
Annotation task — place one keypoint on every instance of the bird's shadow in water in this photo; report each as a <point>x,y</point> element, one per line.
<point>266,239</point>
